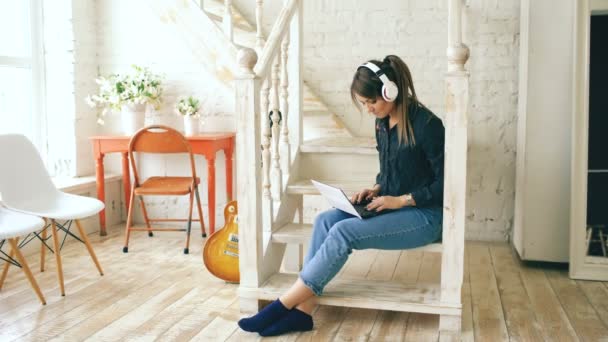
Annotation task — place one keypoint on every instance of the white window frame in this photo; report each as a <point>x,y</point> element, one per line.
<point>36,64</point>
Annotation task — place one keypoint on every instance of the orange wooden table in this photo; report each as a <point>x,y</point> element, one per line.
<point>206,144</point>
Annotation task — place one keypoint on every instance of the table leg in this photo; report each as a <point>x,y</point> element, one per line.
<point>229,194</point>
<point>101,193</point>
<point>211,193</point>
<point>126,178</point>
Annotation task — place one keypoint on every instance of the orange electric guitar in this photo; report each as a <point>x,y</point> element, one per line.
<point>221,252</point>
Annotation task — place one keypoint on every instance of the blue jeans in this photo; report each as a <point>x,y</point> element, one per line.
<point>336,234</point>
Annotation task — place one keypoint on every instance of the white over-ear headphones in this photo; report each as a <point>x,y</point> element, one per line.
<point>389,88</point>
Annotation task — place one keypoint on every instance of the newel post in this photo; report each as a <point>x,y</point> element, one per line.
<point>455,174</point>
<point>248,167</point>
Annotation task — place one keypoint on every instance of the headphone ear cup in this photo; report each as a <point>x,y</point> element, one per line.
<point>390,91</point>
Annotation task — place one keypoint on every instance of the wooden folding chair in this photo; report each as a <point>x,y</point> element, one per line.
<point>162,140</point>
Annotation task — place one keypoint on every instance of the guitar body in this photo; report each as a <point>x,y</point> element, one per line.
<point>221,251</point>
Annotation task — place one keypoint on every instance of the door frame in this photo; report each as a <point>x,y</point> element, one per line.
<point>581,265</point>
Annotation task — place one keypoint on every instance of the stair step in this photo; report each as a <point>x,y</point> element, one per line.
<point>305,187</point>
<point>299,233</point>
<point>311,101</point>
<point>364,293</point>
<point>244,38</point>
<point>319,121</point>
<point>359,145</point>
<point>215,10</point>
<point>323,124</point>
<point>293,233</point>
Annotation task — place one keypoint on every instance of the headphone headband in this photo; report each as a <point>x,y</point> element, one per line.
<point>389,88</point>
<point>373,67</point>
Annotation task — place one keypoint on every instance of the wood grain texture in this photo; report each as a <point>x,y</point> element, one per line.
<point>546,306</point>
<point>488,317</point>
<point>582,315</point>
<point>158,293</point>
<point>424,327</point>
<point>519,315</point>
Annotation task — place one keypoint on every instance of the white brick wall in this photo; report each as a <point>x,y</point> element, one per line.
<point>492,33</point>
<point>130,32</point>
<point>339,35</point>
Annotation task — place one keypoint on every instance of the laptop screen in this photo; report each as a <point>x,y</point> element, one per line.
<point>336,197</point>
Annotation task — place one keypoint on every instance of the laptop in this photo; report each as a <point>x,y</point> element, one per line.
<point>338,199</point>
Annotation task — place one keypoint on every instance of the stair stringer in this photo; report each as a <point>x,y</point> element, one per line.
<point>285,212</point>
<point>202,36</point>
<point>201,32</point>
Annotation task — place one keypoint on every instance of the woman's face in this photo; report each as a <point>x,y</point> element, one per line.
<point>377,107</point>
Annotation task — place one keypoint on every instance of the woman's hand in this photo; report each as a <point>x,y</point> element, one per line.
<point>385,202</point>
<point>366,194</point>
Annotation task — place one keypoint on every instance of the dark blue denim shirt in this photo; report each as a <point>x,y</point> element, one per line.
<point>415,168</point>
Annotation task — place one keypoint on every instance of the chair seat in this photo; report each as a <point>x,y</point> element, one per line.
<point>166,186</point>
<point>14,224</point>
<point>59,206</point>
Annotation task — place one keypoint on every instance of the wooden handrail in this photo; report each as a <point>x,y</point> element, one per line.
<point>280,28</point>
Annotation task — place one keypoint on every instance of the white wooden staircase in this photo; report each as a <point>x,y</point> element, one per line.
<point>201,25</point>
<point>306,142</point>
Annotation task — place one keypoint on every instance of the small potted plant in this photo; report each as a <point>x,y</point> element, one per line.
<point>128,93</point>
<point>188,108</point>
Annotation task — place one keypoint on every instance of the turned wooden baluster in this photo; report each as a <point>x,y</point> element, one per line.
<point>264,92</point>
<point>259,38</point>
<point>267,205</point>
<point>276,175</point>
<point>285,148</point>
<point>266,138</point>
<point>227,21</point>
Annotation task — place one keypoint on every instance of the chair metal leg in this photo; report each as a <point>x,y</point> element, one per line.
<point>57,251</point>
<point>145,212</point>
<point>125,249</point>
<point>200,212</point>
<point>43,248</point>
<point>26,269</point>
<point>187,249</point>
<point>87,243</point>
<point>11,254</point>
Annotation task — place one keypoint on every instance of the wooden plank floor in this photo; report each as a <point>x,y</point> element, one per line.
<point>157,293</point>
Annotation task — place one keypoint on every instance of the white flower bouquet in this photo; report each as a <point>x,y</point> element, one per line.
<point>140,86</point>
<point>188,106</point>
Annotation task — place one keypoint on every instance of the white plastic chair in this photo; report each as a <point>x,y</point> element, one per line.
<point>25,186</point>
<point>12,226</point>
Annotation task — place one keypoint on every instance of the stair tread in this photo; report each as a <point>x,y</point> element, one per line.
<point>244,38</point>
<point>216,11</point>
<point>300,233</point>
<point>293,233</point>
<point>314,107</point>
<point>364,293</point>
<point>305,187</point>
<point>311,101</point>
<point>364,145</point>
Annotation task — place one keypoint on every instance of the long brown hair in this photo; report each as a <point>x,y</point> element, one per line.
<point>367,84</point>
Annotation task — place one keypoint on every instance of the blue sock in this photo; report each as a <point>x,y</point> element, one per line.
<point>295,320</point>
<point>268,315</point>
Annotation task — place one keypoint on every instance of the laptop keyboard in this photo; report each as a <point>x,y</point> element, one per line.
<point>360,208</point>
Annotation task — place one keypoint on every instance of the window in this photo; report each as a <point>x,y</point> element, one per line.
<point>21,69</point>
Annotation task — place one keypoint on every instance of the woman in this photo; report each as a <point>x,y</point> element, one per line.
<point>410,141</point>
